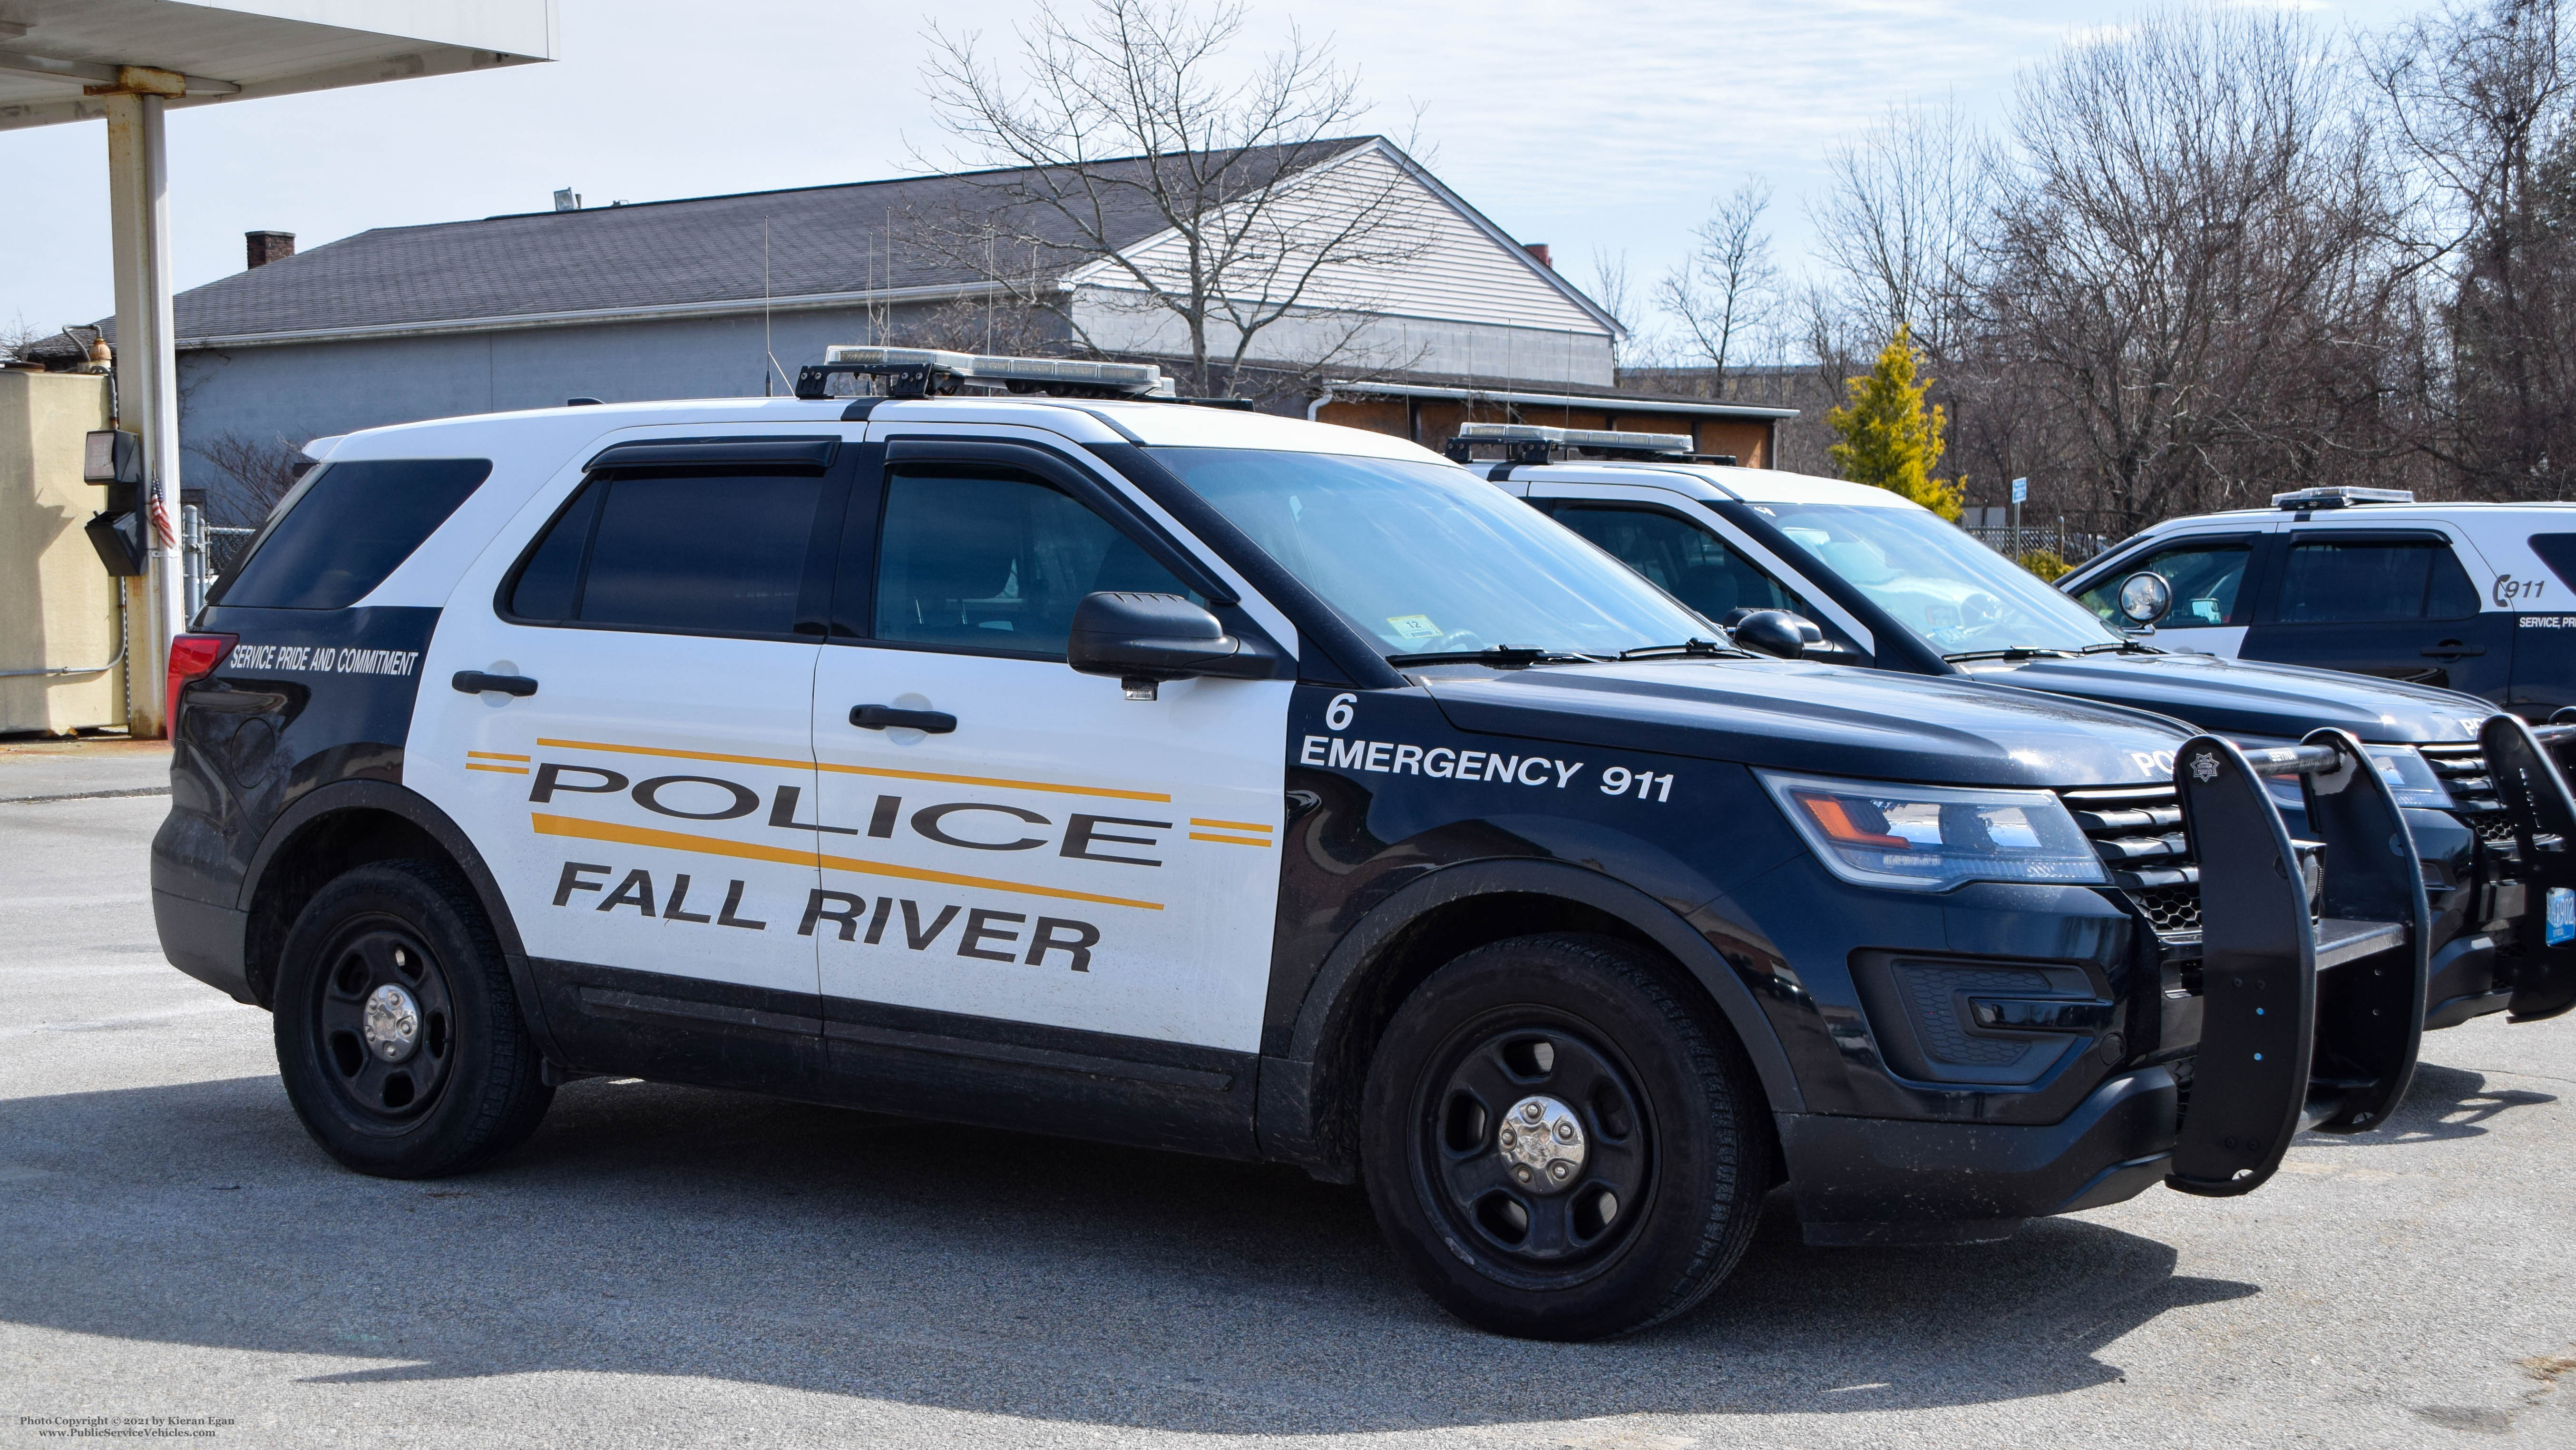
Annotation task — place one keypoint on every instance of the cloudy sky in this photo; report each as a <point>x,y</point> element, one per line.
<point>1576,125</point>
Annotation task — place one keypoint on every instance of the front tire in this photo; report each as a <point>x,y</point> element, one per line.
<point>1562,1140</point>
<point>398,1034</point>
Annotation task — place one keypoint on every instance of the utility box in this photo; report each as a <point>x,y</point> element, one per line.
<point>59,665</point>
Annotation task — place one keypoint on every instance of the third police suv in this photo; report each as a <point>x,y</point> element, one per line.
<point>1023,746</point>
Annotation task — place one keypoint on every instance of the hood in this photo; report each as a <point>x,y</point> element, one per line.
<point>1831,720</point>
<point>2246,697</point>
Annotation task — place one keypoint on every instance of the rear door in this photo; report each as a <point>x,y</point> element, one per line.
<point>2213,578</point>
<point>638,801</point>
<point>2390,602</point>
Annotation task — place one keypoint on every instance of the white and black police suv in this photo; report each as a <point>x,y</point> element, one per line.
<point>1871,578</point>
<point>1058,758</point>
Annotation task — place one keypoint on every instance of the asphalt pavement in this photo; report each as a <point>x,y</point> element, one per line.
<point>666,1266</point>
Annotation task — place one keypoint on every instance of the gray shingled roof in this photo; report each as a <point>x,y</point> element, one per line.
<point>822,239</point>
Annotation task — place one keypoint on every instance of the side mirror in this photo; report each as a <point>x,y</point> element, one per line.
<point>1776,632</point>
<point>2144,597</point>
<point>1145,639</point>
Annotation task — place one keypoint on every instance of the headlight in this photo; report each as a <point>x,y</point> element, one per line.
<point>2410,779</point>
<point>1932,838</point>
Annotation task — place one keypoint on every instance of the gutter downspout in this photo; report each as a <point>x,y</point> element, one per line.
<point>1317,406</point>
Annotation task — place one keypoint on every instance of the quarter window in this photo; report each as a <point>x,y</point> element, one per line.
<point>686,553</point>
<point>2364,581</point>
<point>969,559</point>
<point>346,527</point>
<point>2208,579</point>
<point>1686,561</point>
<point>2558,551</point>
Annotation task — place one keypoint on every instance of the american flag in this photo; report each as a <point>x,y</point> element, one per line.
<point>161,525</point>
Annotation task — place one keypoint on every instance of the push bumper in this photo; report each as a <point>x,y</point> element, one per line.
<point>2533,787</point>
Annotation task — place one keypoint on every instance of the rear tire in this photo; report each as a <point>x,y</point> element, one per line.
<point>1562,1140</point>
<point>399,1037</point>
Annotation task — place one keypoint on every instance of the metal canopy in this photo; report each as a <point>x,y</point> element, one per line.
<point>58,57</point>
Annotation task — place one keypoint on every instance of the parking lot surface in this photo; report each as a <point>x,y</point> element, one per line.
<point>672,1266</point>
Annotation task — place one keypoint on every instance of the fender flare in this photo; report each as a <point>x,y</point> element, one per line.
<point>1289,1084</point>
<point>343,796</point>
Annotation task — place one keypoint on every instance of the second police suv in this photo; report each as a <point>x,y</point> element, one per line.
<point>1102,765</point>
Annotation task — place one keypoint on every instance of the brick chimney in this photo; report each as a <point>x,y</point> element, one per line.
<point>1539,250</point>
<point>267,247</point>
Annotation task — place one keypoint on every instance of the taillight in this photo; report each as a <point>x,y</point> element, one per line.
<point>193,657</point>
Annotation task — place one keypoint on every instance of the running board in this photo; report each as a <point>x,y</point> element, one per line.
<point>2311,1011</point>
<point>2533,787</point>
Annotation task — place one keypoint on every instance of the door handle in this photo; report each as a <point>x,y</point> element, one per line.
<point>475,682</point>
<point>887,717</point>
<point>2452,649</point>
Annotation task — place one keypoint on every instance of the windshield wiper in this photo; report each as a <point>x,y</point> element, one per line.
<point>1689,648</point>
<point>2017,652</point>
<point>2126,646</point>
<point>1501,657</point>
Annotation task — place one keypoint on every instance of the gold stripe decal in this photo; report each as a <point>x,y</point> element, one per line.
<point>574,826</point>
<point>494,755</point>
<point>1229,825</point>
<point>1231,840</point>
<point>500,769</point>
<point>1113,794</point>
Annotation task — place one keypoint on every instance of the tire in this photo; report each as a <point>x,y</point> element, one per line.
<point>444,1076</point>
<point>1663,1172</point>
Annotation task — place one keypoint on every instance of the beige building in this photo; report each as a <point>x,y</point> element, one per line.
<point>59,656</point>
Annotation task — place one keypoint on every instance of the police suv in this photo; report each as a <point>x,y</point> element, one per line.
<point>1878,580</point>
<point>1022,748</point>
<point>2472,597</point>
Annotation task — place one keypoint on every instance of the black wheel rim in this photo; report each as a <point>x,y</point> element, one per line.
<point>1536,1235</point>
<point>387,1091</point>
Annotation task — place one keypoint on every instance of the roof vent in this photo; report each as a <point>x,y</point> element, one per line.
<point>2338,498</point>
<point>567,200</point>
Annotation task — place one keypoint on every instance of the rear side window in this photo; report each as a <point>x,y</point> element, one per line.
<point>346,527</point>
<point>686,553</point>
<point>2558,551</point>
<point>2367,581</point>
<point>1686,561</point>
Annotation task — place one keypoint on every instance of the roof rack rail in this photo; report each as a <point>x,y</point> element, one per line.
<point>923,372</point>
<point>2340,497</point>
<point>1533,443</point>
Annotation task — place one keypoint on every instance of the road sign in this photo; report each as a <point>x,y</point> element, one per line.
<point>2021,490</point>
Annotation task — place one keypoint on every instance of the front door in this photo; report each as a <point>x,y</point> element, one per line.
<point>1007,841</point>
<point>634,801</point>
<point>2393,603</point>
<point>2212,603</point>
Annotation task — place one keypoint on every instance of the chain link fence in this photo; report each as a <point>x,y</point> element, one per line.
<point>208,553</point>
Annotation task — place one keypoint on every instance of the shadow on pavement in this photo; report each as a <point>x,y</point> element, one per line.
<point>672,1231</point>
<point>2441,1103</point>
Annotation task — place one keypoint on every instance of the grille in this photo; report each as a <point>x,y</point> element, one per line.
<point>2463,769</point>
<point>2138,833</point>
<point>2493,827</point>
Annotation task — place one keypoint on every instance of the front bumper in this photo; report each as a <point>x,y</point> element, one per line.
<point>1865,1181</point>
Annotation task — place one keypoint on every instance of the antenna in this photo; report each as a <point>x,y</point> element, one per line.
<point>767,346</point>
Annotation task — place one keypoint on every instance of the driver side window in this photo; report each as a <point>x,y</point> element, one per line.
<point>991,561</point>
<point>2208,579</point>
<point>1684,560</point>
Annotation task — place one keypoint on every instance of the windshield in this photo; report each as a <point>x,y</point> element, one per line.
<point>1427,558</point>
<point>1962,596</point>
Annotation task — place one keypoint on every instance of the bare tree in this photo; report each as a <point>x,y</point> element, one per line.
<point>2481,103</point>
<point>2188,267</point>
<point>16,335</point>
<point>1725,294</point>
<point>1124,117</point>
<point>1898,223</point>
<point>1612,288</point>
<point>261,473</point>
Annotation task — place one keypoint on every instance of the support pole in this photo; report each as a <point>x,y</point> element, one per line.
<point>147,377</point>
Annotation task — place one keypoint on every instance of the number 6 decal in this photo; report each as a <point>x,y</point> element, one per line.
<point>1337,715</point>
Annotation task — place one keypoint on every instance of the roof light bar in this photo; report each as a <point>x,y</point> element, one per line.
<point>2340,497</point>
<point>1596,438</point>
<point>929,372</point>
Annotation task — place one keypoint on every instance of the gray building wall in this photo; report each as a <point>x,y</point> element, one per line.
<point>285,395</point>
